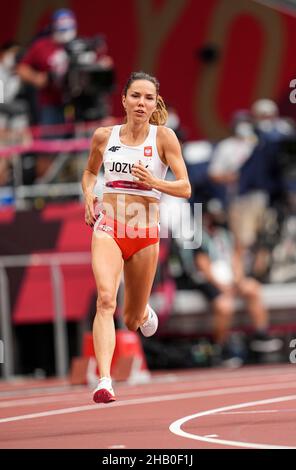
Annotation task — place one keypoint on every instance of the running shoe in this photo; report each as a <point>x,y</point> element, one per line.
<point>263,343</point>
<point>104,392</point>
<point>151,324</point>
<point>231,357</point>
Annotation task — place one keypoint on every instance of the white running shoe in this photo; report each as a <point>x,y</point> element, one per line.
<point>104,392</point>
<point>151,324</point>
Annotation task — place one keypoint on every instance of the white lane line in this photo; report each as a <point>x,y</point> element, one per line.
<point>277,373</point>
<point>212,383</point>
<point>175,427</point>
<point>255,412</point>
<point>13,393</point>
<point>286,410</point>
<point>117,446</point>
<point>39,400</point>
<point>153,399</point>
<point>246,371</point>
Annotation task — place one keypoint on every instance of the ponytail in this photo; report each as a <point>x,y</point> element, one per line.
<point>160,115</point>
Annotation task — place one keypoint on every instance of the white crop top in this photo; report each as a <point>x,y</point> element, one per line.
<point>119,158</point>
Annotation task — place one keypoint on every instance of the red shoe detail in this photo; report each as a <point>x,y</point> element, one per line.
<point>103,396</point>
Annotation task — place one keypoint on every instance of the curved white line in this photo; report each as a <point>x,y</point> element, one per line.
<point>175,427</point>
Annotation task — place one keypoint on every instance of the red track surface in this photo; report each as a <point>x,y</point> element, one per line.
<point>258,410</point>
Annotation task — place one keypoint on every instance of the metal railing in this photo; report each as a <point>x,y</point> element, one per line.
<point>54,262</point>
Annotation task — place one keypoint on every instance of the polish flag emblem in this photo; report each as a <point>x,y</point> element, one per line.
<point>148,151</point>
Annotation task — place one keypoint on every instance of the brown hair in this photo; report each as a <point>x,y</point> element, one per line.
<point>160,115</point>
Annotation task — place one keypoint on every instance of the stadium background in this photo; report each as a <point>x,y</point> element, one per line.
<point>254,43</point>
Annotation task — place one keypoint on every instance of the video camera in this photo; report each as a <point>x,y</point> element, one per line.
<point>88,82</point>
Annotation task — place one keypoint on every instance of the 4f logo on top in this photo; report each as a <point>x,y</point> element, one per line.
<point>148,151</point>
<point>114,148</point>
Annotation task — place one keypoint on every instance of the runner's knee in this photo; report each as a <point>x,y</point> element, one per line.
<point>106,303</point>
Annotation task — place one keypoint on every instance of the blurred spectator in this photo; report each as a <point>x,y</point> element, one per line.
<point>226,168</point>
<point>45,65</point>
<point>248,165</point>
<point>262,181</point>
<point>10,81</point>
<point>68,70</point>
<point>70,76</point>
<point>230,154</point>
<point>267,121</point>
<point>13,110</point>
<point>220,277</point>
<point>197,156</point>
<point>14,118</point>
<point>43,68</point>
<point>174,122</point>
<point>283,253</point>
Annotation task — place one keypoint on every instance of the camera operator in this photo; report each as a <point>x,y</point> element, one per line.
<point>45,65</point>
<point>90,78</point>
<point>68,70</point>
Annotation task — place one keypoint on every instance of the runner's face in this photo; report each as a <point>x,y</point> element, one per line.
<point>140,100</point>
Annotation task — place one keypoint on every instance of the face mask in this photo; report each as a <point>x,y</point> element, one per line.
<point>243,130</point>
<point>8,61</point>
<point>64,37</point>
<point>265,125</point>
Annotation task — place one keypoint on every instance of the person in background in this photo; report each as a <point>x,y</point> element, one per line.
<point>14,119</point>
<point>174,123</point>
<point>230,154</point>
<point>220,277</point>
<point>247,165</point>
<point>268,123</point>
<point>45,64</point>
<point>227,169</point>
<point>14,113</point>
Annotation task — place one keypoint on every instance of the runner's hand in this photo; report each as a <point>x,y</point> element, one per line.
<point>144,176</point>
<point>90,201</point>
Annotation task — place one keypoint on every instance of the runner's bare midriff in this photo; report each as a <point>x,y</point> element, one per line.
<point>142,210</point>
